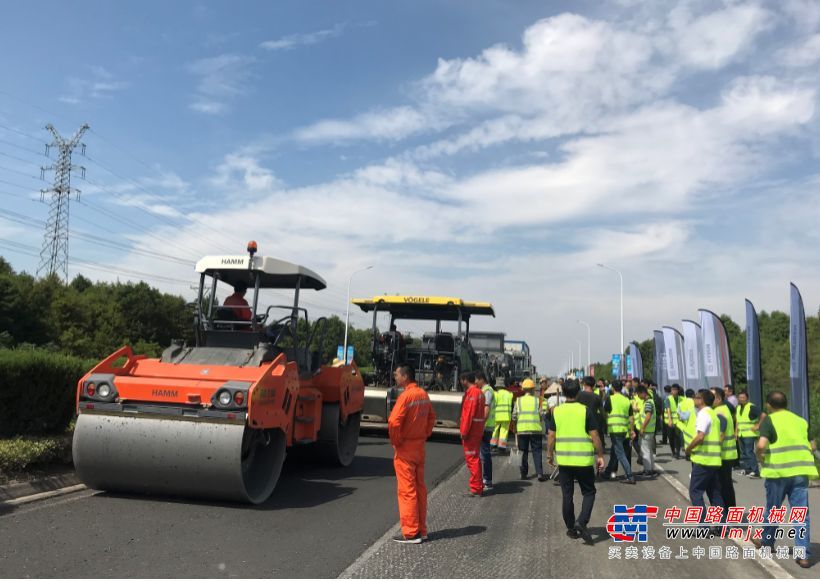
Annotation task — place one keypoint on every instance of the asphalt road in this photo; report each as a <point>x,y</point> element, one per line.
<point>317,523</point>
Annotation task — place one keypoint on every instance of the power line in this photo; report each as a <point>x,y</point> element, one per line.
<point>14,157</point>
<point>26,149</point>
<point>17,171</point>
<point>18,132</point>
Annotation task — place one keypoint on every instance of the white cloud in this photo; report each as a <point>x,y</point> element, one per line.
<point>245,169</point>
<point>221,78</point>
<point>381,125</point>
<point>713,40</point>
<point>292,41</point>
<point>100,85</point>
<point>804,53</point>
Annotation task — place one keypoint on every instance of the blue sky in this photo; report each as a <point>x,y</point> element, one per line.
<point>491,150</point>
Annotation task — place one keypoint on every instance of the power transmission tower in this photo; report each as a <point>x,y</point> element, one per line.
<point>54,254</point>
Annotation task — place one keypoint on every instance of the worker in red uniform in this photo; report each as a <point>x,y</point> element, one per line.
<point>241,309</point>
<point>409,425</point>
<point>472,429</point>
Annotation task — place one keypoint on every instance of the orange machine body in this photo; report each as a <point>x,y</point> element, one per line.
<point>276,396</point>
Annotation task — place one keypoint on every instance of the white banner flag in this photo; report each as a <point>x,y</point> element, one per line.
<point>691,354</point>
<point>670,346</point>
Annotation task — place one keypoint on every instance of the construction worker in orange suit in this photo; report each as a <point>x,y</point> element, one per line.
<point>409,425</point>
<point>472,429</point>
<point>241,309</point>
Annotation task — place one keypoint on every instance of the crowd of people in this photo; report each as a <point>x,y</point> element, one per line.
<point>719,432</point>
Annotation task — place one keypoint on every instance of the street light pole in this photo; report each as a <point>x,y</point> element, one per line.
<point>571,361</point>
<point>621,276</point>
<point>589,345</point>
<point>347,310</point>
<point>579,353</point>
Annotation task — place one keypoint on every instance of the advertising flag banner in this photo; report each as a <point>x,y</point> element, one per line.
<point>616,364</point>
<point>798,368</point>
<point>754,374</point>
<point>660,359</point>
<point>670,347</point>
<point>693,354</point>
<point>717,360</point>
<point>637,360</point>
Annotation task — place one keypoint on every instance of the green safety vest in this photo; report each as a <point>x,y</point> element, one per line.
<point>650,427</point>
<point>528,418</point>
<point>744,424</point>
<point>503,405</point>
<point>707,453</point>
<point>729,449</point>
<point>791,454</point>
<point>573,445</point>
<point>489,424</point>
<point>686,428</point>
<point>618,419</point>
<point>672,412</point>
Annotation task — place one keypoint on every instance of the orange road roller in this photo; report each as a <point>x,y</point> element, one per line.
<point>214,419</point>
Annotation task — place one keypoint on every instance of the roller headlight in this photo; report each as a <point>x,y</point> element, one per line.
<point>103,390</point>
<point>225,398</point>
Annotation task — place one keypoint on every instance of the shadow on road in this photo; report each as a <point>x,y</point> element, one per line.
<point>598,534</point>
<point>456,533</point>
<point>510,487</point>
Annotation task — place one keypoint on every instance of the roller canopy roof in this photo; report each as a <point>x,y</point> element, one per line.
<point>274,273</point>
<point>427,308</point>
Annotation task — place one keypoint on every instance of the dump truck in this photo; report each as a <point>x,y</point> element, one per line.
<point>497,363</point>
<point>214,419</point>
<point>522,367</point>
<point>438,359</point>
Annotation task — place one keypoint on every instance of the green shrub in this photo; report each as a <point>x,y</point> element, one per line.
<point>37,391</point>
<point>17,454</point>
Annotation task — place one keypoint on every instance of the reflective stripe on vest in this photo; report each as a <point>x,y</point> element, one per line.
<point>791,454</point>
<point>490,423</point>
<point>707,453</point>
<point>744,424</point>
<point>503,405</point>
<point>618,419</point>
<point>729,449</point>
<point>528,419</point>
<point>573,446</point>
<point>650,427</point>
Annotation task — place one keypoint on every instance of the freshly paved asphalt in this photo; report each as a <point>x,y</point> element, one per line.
<point>317,523</point>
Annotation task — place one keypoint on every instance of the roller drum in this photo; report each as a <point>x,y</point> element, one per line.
<point>193,459</point>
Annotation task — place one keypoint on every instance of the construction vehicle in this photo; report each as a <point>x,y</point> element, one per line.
<point>438,359</point>
<point>522,367</point>
<point>214,420</point>
<point>497,363</point>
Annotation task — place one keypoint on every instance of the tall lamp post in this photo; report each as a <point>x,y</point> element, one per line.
<point>347,310</point>
<point>571,361</point>
<point>589,345</point>
<point>579,354</point>
<point>621,276</point>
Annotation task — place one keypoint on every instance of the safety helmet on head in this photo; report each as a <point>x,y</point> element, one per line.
<point>528,384</point>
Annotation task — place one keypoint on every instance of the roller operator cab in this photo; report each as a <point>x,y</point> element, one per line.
<point>214,419</point>
<point>438,357</point>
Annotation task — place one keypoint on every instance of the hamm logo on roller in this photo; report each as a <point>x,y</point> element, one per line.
<point>164,393</point>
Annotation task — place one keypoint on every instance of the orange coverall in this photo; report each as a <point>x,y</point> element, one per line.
<point>472,429</point>
<point>409,425</point>
<point>237,300</point>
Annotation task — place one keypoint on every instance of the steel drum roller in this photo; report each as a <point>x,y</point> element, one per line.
<point>177,457</point>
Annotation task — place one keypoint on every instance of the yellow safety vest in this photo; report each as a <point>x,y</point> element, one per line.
<point>618,418</point>
<point>573,445</point>
<point>791,454</point>
<point>744,424</point>
<point>650,427</point>
<point>672,412</point>
<point>489,424</point>
<point>528,420</point>
<point>728,450</point>
<point>686,428</point>
<point>707,453</point>
<point>503,405</point>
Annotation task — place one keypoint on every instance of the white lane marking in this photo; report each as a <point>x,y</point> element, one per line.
<point>393,531</point>
<point>43,495</point>
<point>771,566</point>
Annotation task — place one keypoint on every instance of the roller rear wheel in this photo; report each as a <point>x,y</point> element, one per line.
<point>338,441</point>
